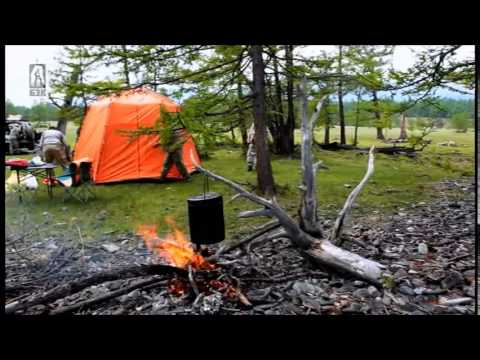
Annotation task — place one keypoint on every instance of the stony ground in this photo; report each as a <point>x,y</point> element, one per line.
<point>428,249</point>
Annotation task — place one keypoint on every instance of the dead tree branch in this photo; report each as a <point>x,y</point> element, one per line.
<point>319,250</point>
<point>336,233</point>
<point>309,221</point>
<point>78,285</point>
<point>113,294</point>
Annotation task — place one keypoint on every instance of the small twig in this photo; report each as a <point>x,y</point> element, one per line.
<point>81,242</point>
<point>198,299</point>
<point>192,280</point>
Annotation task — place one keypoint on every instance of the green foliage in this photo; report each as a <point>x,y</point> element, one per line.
<point>38,114</point>
<point>461,122</point>
<point>436,67</point>
<point>164,128</point>
<point>418,131</point>
<point>439,108</point>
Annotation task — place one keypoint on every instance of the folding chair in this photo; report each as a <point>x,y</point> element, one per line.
<point>77,181</point>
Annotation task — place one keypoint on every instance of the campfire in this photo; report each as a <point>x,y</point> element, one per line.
<point>174,249</point>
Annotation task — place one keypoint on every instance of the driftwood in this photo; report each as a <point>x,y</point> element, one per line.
<point>78,285</point>
<point>336,233</point>
<point>113,294</point>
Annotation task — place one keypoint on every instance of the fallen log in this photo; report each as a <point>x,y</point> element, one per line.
<point>64,290</point>
<point>390,150</point>
<point>113,294</point>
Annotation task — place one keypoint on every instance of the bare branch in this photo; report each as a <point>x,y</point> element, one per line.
<point>308,210</point>
<point>255,213</point>
<point>336,233</point>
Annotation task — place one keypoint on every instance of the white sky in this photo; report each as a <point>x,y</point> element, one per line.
<point>19,57</point>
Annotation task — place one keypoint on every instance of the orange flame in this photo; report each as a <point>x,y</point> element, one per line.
<point>174,249</point>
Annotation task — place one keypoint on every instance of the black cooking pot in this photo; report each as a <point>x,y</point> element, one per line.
<point>205,215</point>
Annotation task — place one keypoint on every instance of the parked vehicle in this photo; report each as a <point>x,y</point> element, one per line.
<point>20,136</point>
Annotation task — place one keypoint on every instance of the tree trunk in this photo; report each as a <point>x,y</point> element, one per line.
<point>326,139</point>
<point>126,72</point>
<point>380,135</point>
<point>62,125</point>
<point>264,168</point>
<point>341,114</point>
<point>282,139</point>
<point>242,120</point>
<point>309,221</point>
<point>403,126</point>
<point>67,103</point>
<point>357,120</point>
<point>290,105</point>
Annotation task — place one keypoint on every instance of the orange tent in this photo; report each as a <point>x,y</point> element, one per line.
<point>116,158</point>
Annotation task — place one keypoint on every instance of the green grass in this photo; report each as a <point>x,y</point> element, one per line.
<point>396,182</point>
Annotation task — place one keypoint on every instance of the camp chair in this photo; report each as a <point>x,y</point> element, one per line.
<point>77,181</point>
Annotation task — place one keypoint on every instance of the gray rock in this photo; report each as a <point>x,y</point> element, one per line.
<point>436,276</point>
<point>312,303</point>
<point>418,312</point>
<point>303,287</point>
<point>400,273</point>
<point>422,248</point>
<point>453,279</point>
<point>410,229</point>
<point>358,283</point>
<point>419,290</point>
<point>365,308</point>
<point>386,300</point>
<point>353,308</point>
<point>361,293</point>
<point>372,291</point>
<point>469,291</point>
<point>211,304</point>
<point>418,282</point>
<point>111,248</point>
<point>406,290</point>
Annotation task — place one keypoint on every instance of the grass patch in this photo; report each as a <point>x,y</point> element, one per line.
<point>397,180</point>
